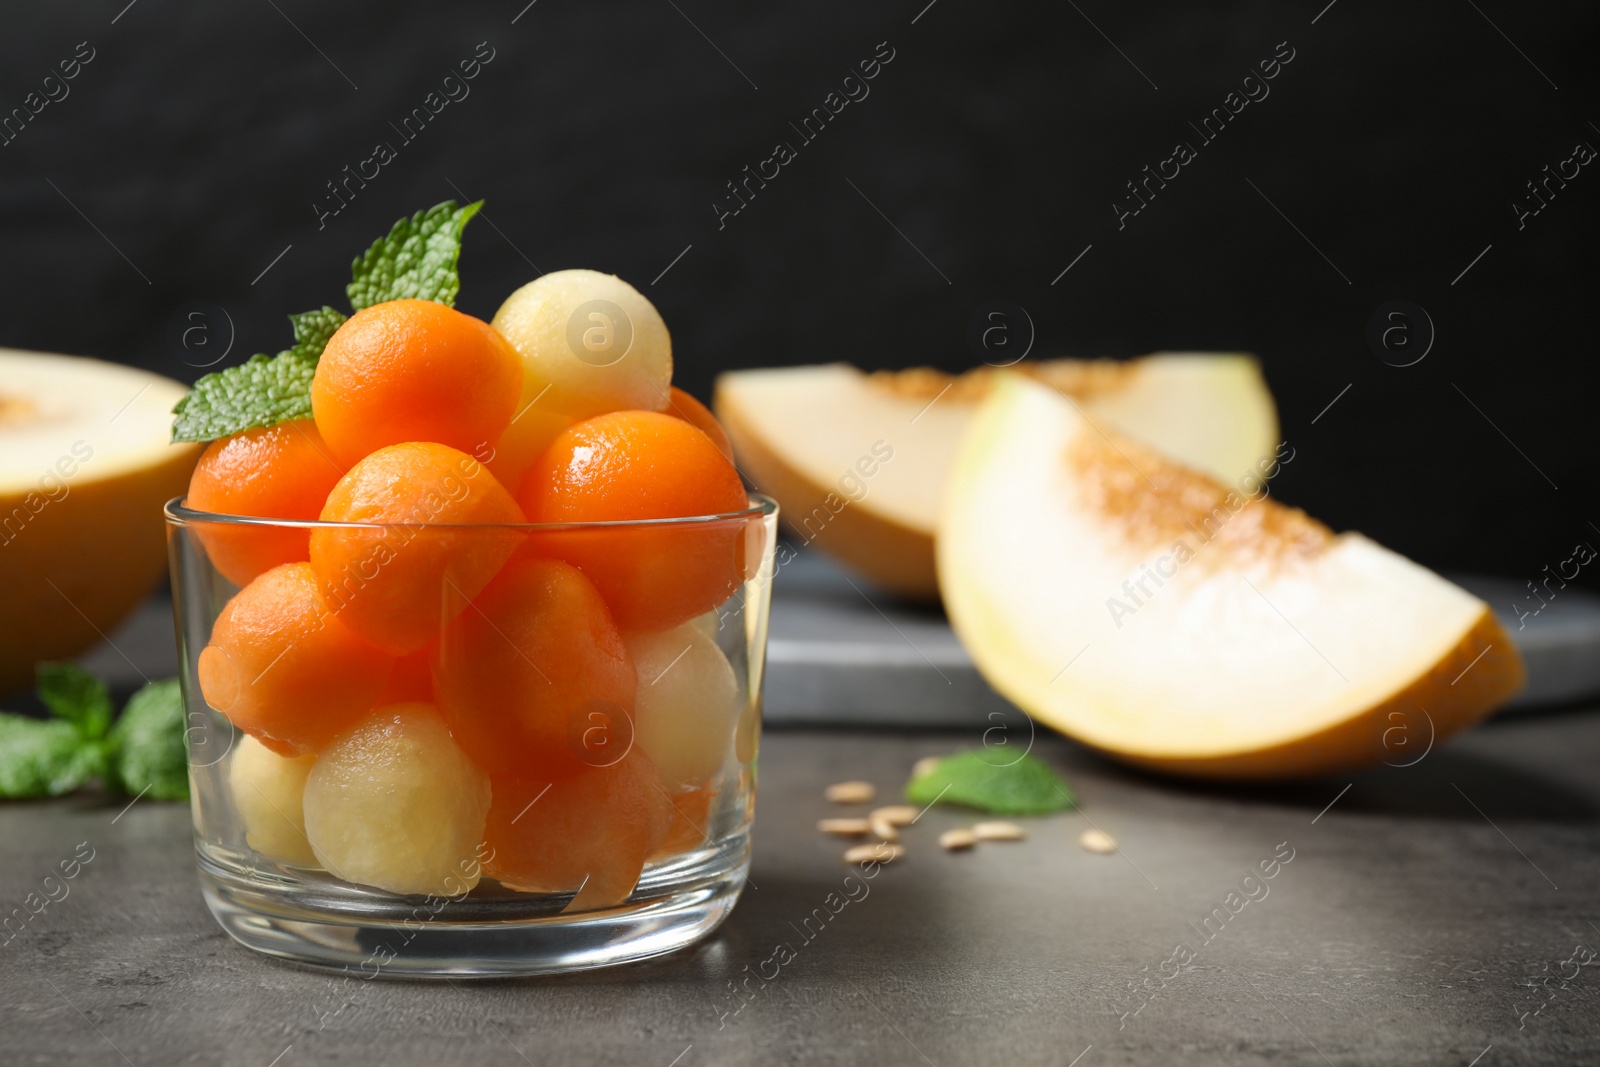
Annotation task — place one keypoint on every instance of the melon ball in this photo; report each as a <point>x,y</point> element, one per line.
<point>586,830</point>
<point>709,623</point>
<point>395,804</point>
<point>593,339</point>
<point>267,790</point>
<point>282,664</point>
<point>687,823</point>
<point>532,429</point>
<point>686,703</point>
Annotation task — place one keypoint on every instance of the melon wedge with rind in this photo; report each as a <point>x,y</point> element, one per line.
<point>1266,646</point>
<point>859,461</point>
<point>86,462</point>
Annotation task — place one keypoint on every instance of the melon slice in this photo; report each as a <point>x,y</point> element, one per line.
<point>1172,622</point>
<point>85,465</point>
<point>858,461</point>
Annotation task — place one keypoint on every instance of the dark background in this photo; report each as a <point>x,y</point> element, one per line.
<point>191,150</point>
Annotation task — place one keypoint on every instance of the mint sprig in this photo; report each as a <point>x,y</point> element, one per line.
<point>43,758</point>
<point>993,782</point>
<point>146,745</point>
<point>313,329</point>
<point>417,258</point>
<point>142,754</point>
<point>261,391</point>
<point>73,694</point>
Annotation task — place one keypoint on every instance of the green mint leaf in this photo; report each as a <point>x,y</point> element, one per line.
<point>147,754</point>
<point>76,696</point>
<point>262,391</point>
<point>43,757</point>
<point>417,259</point>
<point>312,330</point>
<point>992,781</point>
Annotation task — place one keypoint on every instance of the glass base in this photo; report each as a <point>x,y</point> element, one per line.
<point>311,919</point>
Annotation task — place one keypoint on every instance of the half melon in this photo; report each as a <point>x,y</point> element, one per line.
<point>85,465</point>
<point>859,461</point>
<point>1184,625</point>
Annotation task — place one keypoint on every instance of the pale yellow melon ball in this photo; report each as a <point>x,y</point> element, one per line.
<point>708,624</point>
<point>593,339</point>
<point>267,790</point>
<point>686,704</point>
<point>397,805</point>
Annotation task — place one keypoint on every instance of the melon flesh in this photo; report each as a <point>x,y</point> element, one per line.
<point>858,462</point>
<point>1173,622</point>
<point>85,466</point>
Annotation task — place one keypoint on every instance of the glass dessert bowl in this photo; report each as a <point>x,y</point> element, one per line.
<point>454,749</point>
<point>471,618</point>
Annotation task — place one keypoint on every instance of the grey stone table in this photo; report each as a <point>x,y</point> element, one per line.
<point>1428,915</point>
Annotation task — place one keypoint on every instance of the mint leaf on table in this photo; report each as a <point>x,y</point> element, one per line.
<point>44,757</point>
<point>75,696</point>
<point>142,754</point>
<point>146,745</point>
<point>991,782</point>
<point>261,391</point>
<point>417,259</point>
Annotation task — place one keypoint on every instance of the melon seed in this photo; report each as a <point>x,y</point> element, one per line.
<point>895,814</point>
<point>883,829</point>
<point>878,852</point>
<point>844,827</point>
<point>1097,841</point>
<point>851,792</point>
<point>957,839</point>
<point>999,831</point>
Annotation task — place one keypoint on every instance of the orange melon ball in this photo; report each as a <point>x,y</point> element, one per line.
<point>411,681</point>
<point>590,830</point>
<point>681,405</point>
<point>414,370</point>
<point>282,666</point>
<point>688,819</point>
<point>399,583</point>
<point>629,465</point>
<point>535,669</point>
<point>271,472</point>
<point>530,433</point>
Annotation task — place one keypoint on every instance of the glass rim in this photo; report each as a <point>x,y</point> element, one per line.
<point>179,514</point>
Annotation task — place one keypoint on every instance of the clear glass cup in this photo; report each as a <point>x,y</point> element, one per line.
<point>435,750</point>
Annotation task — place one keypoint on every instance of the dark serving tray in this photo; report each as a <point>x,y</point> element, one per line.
<point>843,652</point>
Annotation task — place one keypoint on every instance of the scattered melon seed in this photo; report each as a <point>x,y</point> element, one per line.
<point>882,828</point>
<point>851,792</point>
<point>957,839</point>
<point>925,765</point>
<point>1097,841</point>
<point>895,814</point>
<point>999,831</point>
<point>844,827</point>
<point>878,852</point>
